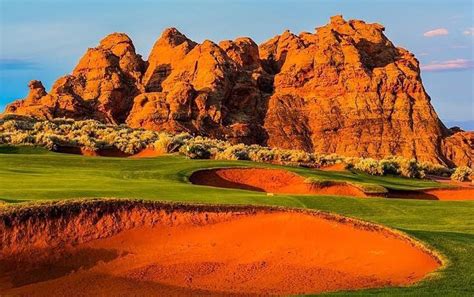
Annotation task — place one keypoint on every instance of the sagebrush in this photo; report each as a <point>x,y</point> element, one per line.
<point>94,135</point>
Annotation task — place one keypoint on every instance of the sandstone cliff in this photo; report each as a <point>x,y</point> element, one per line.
<point>102,86</point>
<point>343,89</point>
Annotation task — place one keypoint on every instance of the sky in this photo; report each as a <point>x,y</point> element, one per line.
<point>44,39</point>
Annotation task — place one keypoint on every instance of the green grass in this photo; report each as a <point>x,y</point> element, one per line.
<point>448,226</point>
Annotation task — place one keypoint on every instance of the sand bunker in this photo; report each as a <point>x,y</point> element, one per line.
<point>270,181</point>
<point>153,249</point>
<point>453,194</point>
<point>148,153</point>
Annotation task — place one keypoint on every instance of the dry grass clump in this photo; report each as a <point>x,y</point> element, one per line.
<point>94,135</point>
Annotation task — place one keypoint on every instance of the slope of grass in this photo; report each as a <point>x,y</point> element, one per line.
<point>447,226</point>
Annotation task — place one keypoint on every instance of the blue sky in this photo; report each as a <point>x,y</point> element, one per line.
<point>44,39</point>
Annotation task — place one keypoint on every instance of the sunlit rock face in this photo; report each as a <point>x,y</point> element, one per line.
<point>343,89</point>
<point>102,85</point>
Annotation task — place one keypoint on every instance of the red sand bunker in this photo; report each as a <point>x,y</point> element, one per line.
<point>270,181</point>
<point>453,194</point>
<point>148,153</point>
<point>153,250</point>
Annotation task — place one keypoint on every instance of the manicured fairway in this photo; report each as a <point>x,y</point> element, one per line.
<point>448,226</point>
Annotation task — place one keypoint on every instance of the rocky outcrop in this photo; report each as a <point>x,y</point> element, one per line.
<point>214,90</point>
<point>343,89</point>
<point>168,51</point>
<point>347,89</point>
<point>102,86</point>
<point>459,148</point>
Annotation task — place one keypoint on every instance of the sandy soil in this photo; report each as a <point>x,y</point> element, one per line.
<point>447,180</point>
<point>460,191</point>
<point>285,182</point>
<point>270,181</point>
<point>148,153</point>
<point>215,253</point>
<point>454,194</point>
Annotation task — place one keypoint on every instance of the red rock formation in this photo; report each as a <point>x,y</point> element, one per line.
<point>458,148</point>
<point>212,90</point>
<point>169,50</point>
<point>102,86</point>
<point>344,89</point>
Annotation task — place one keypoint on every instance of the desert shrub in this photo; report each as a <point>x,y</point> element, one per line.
<point>282,155</point>
<point>196,151</point>
<point>87,142</point>
<point>404,167</point>
<point>330,159</point>
<point>462,173</point>
<point>299,156</point>
<point>13,126</point>
<point>261,154</point>
<point>131,141</point>
<point>63,121</point>
<point>22,138</point>
<point>435,169</point>
<point>234,152</point>
<point>147,136</point>
<point>177,141</point>
<point>94,135</point>
<point>350,162</point>
<point>410,168</point>
<point>369,166</point>
<point>390,166</point>
<point>109,137</point>
<point>163,142</point>
<point>4,139</point>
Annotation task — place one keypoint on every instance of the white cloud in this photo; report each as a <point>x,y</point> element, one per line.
<point>469,31</point>
<point>436,32</point>
<point>456,64</point>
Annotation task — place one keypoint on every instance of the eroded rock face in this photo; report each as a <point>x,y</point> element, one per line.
<point>344,89</point>
<point>208,89</point>
<point>168,51</point>
<point>102,86</point>
<point>458,148</point>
